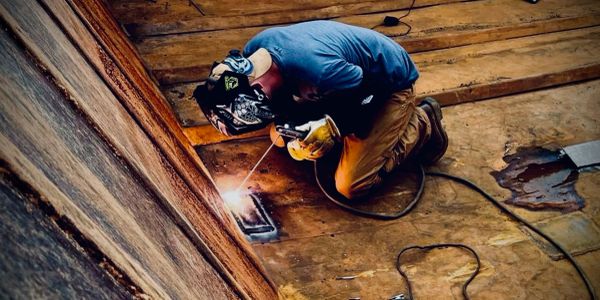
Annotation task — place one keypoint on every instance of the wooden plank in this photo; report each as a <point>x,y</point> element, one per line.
<point>142,18</point>
<point>188,57</point>
<point>318,241</point>
<point>128,80</point>
<point>97,102</point>
<point>55,149</point>
<point>474,72</point>
<point>39,259</point>
<point>476,68</point>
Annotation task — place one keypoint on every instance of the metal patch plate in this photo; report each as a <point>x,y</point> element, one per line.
<point>584,154</point>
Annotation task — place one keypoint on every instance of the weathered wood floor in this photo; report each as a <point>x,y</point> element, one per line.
<point>465,51</point>
<point>318,241</point>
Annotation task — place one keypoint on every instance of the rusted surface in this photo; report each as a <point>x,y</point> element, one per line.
<point>540,179</point>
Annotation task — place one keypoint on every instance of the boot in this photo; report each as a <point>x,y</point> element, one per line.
<point>436,146</point>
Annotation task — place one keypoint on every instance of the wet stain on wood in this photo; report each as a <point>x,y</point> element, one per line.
<point>540,179</point>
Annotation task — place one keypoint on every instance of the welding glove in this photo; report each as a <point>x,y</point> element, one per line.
<point>321,137</point>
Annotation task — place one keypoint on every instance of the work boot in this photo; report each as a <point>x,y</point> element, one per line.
<point>437,144</point>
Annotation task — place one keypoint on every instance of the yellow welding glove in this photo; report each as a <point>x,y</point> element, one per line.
<point>322,136</point>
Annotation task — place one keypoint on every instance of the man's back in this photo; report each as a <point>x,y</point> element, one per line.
<point>332,56</point>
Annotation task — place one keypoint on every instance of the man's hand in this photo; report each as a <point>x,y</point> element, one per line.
<point>276,138</point>
<point>321,137</point>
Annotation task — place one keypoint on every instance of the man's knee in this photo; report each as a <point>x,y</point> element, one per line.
<point>351,188</point>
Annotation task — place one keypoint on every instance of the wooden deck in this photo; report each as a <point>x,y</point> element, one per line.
<point>538,66</point>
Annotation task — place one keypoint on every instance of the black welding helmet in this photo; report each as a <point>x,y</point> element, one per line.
<point>232,105</point>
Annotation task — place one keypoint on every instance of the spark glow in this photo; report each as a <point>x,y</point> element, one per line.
<point>237,202</point>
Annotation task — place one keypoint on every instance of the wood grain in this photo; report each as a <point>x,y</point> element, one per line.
<point>50,144</point>
<point>188,57</point>
<point>114,59</point>
<point>98,103</point>
<point>39,259</point>
<point>142,18</point>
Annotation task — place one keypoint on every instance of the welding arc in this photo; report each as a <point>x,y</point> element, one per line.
<point>478,189</point>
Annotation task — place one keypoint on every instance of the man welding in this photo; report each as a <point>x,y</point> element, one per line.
<point>323,83</point>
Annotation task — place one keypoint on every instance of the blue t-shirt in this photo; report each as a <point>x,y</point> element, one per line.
<point>332,56</point>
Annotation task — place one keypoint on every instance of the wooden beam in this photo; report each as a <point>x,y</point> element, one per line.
<point>197,216</point>
<point>54,148</point>
<point>130,82</point>
<point>43,257</point>
<point>143,19</point>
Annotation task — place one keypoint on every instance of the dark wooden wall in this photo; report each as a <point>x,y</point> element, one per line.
<point>39,259</point>
<point>84,128</point>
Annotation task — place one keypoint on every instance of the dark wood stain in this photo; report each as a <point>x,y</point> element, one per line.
<point>540,179</point>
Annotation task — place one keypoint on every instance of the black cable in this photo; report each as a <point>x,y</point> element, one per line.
<point>371,214</point>
<point>475,187</point>
<point>434,246</point>
<point>566,253</point>
<point>393,21</point>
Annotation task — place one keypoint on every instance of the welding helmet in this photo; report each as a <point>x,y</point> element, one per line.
<point>232,105</point>
<point>228,100</point>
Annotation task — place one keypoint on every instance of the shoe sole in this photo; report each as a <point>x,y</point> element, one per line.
<point>437,111</point>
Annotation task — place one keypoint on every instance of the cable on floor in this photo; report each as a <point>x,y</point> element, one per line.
<point>475,187</point>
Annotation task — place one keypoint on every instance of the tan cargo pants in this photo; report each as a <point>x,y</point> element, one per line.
<point>401,129</point>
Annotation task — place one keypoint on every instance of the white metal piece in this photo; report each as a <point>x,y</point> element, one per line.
<point>584,154</point>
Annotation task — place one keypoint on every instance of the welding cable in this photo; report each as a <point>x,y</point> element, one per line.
<point>517,218</point>
<point>434,246</point>
<point>476,188</point>
<point>372,214</point>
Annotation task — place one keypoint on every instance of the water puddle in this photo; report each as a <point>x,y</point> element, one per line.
<point>540,179</point>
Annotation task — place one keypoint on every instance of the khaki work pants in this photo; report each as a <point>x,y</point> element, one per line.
<point>401,128</point>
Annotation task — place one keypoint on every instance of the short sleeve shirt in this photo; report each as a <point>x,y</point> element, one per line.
<point>321,57</point>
